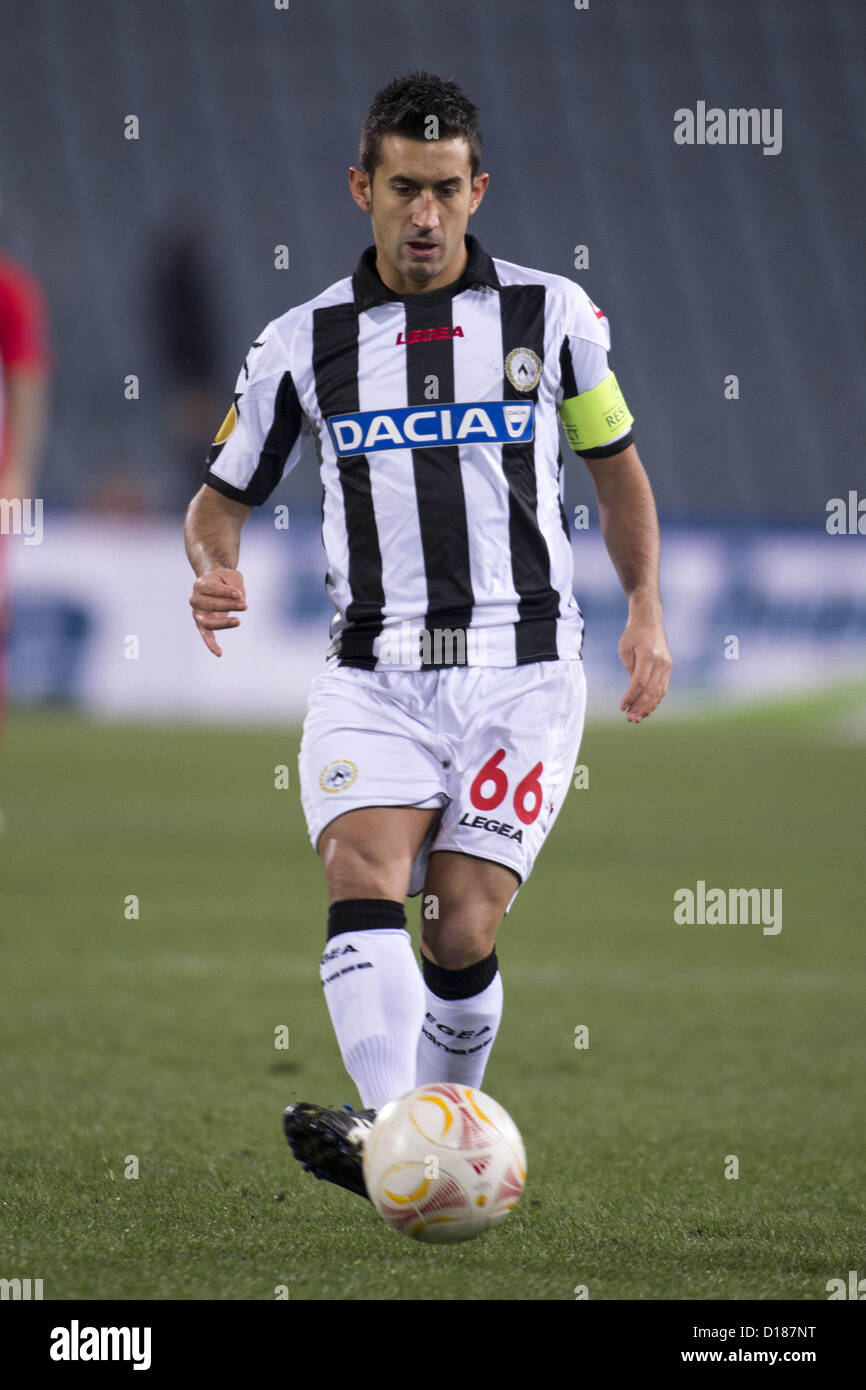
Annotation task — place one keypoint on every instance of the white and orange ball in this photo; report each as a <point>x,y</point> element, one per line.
<point>444,1163</point>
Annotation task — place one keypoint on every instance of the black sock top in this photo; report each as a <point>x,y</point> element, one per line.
<point>459,984</point>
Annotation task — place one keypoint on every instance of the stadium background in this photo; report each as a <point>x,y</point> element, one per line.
<point>157,256</point>
<point>157,259</point>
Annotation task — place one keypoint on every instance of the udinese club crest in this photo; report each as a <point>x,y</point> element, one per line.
<point>338,775</point>
<point>523,368</point>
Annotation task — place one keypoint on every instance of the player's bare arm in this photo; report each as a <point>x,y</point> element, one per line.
<point>212,532</point>
<point>26,409</point>
<point>629,525</point>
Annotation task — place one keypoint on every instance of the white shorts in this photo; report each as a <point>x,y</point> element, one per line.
<point>494,747</point>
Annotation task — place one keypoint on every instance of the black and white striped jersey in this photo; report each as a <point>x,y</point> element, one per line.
<point>435,418</point>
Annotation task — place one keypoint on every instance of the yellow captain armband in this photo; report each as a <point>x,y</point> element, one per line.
<point>596,417</point>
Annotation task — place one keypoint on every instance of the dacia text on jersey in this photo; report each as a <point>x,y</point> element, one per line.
<point>476,422</point>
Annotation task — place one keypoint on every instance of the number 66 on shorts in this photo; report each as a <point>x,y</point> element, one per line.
<point>493,747</point>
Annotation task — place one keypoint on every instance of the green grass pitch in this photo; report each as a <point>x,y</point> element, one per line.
<point>154,1037</point>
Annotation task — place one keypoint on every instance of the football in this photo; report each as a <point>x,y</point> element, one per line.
<point>444,1163</point>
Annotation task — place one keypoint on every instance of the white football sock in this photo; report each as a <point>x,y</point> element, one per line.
<point>375,996</point>
<point>457,1035</point>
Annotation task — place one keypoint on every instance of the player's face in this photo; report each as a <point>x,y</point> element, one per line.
<point>420,199</point>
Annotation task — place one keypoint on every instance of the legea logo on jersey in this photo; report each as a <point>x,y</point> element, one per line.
<point>429,427</point>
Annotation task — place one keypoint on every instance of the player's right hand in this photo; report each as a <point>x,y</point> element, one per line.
<point>214,596</point>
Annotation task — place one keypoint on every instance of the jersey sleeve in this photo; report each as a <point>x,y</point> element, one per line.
<point>595,417</point>
<point>260,439</point>
<point>23,330</point>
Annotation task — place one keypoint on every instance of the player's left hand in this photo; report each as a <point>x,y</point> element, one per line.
<point>643,650</point>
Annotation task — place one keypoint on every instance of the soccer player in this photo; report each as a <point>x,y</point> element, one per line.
<point>24,375</point>
<point>440,741</point>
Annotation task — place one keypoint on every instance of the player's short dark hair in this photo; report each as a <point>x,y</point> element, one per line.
<point>403,108</point>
